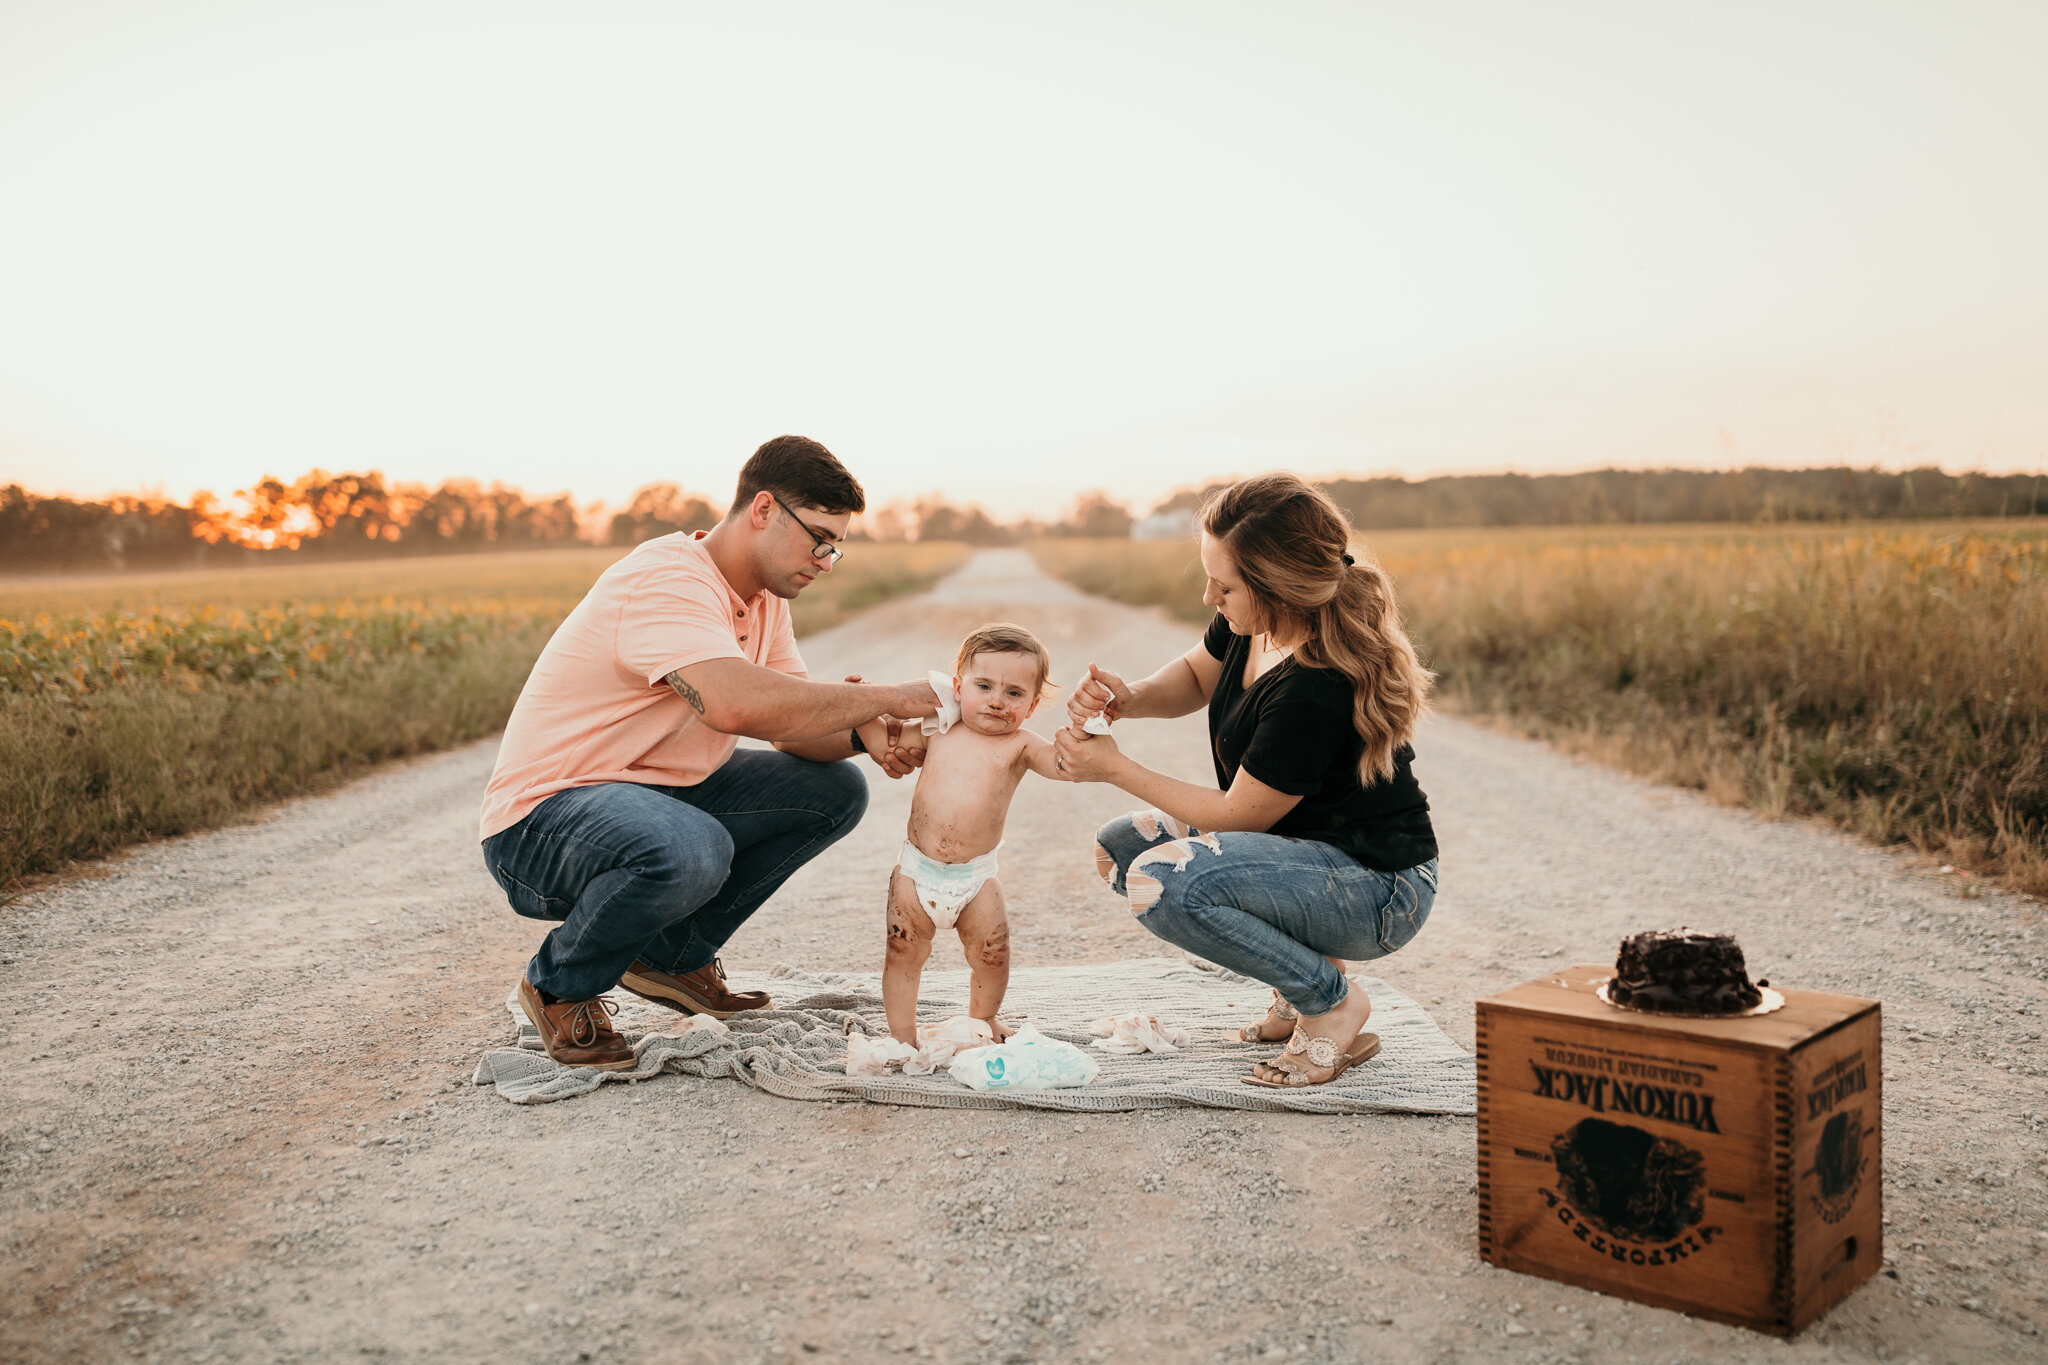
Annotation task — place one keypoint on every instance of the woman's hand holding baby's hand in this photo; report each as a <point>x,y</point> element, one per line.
<point>1077,755</point>
<point>1101,692</point>
<point>1080,757</point>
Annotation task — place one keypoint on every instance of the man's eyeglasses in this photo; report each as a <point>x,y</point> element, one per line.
<point>825,552</point>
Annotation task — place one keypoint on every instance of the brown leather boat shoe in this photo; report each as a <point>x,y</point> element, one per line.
<point>577,1032</point>
<point>701,992</point>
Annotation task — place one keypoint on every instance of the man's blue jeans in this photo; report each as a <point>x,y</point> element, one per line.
<point>665,875</point>
<point>1263,905</point>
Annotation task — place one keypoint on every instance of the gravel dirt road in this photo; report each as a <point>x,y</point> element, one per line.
<point>236,1120</point>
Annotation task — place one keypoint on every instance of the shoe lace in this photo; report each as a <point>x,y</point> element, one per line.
<point>587,1020</point>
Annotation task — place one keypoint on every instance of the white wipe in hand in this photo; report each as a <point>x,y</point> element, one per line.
<point>1097,724</point>
<point>949,707</point>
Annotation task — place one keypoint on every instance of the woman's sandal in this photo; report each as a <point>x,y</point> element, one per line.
<point>1281,1010</point>
<point>1316,1052</point>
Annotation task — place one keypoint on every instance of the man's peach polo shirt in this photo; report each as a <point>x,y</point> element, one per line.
<point>597,707</point>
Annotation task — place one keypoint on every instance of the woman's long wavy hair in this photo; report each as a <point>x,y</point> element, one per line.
<point>1292,548</point>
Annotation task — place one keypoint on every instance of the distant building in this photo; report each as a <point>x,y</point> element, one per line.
<point>1178,524</point>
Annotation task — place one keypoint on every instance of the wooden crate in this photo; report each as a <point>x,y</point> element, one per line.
<point>1723,1167</point>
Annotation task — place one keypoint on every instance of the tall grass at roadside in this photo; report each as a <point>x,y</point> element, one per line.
<point>140,706</point>
<point>1893,681</point>
<point>1144,573</point>
<point>870,573</point>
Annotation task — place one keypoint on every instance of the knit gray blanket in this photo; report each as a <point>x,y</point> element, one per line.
<point>797,1049</point>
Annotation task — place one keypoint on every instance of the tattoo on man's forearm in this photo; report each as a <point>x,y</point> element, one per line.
<point>687,692</point>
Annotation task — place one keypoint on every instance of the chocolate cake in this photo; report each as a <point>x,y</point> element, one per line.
<point>1682,973</point>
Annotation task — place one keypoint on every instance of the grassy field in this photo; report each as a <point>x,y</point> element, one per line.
<point>153,704</point>
<point>1893,680</point>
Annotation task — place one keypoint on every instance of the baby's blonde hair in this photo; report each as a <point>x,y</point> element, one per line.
<point>1004,638</point>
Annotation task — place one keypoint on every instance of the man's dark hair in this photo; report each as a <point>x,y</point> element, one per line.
<point>803,474</point>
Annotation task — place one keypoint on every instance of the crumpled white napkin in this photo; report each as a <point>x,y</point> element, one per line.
<point>1132,1033</point>
<point>1097,724</point>
<point>949,707</point>
<point>937,1044</point>
<point>867,1056</point>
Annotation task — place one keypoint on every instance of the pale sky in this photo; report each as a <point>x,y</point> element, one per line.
<point>1009,252</point>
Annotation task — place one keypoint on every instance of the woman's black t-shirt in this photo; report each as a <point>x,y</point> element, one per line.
<point>1291,729</point>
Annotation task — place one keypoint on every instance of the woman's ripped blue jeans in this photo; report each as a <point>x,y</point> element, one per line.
<point>1266,906</point>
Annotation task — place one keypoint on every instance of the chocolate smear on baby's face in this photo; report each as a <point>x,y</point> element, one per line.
<point>998,692</point>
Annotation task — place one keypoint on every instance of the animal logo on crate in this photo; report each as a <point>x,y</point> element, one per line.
<point>1628,1182</point>
<point>1838,1165</point>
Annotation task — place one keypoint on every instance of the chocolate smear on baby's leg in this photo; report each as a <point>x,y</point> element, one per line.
<point>995,949</point>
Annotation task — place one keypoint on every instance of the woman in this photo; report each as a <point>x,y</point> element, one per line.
<point>1318,846</point>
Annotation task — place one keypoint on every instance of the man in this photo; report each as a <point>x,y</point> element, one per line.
<point>621,804</point>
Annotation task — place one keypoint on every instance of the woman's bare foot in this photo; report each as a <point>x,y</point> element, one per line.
<point>1278,1025</point>
<point>1341,1026</point>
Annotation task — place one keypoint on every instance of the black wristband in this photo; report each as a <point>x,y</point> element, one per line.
<point>858,747</point>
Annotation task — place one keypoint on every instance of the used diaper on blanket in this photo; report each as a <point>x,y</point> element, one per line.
<point>944,889</point>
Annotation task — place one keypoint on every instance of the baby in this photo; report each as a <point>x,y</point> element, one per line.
<point>976,751</point>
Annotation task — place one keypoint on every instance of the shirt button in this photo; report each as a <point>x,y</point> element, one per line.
<point>741,613</point>
<point>743,639</point>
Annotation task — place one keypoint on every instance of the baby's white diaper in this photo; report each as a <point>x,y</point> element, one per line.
<point>944,889</point>
<point>949,706</point>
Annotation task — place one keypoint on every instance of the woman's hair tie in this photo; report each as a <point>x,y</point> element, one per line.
<point>1348,561</point>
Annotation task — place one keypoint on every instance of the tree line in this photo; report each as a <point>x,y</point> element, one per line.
<point>321,515</point>
<point>361,515</point>
<point>1642,496</point>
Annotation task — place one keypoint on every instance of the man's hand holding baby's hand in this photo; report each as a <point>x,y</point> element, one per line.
<point>882,737</point>
<point>899,761</point>
<point>918,700</point>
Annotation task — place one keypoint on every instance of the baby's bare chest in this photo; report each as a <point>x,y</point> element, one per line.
<point>969,765</point>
